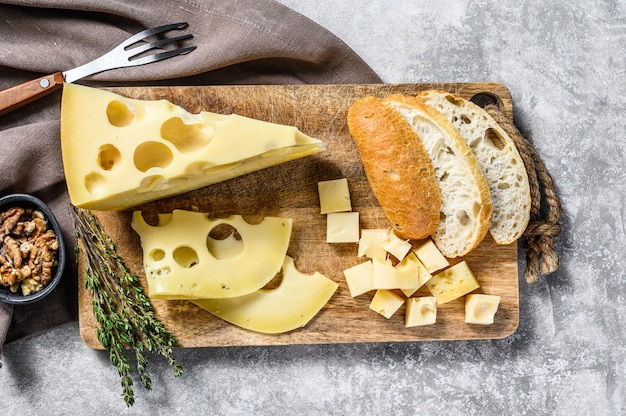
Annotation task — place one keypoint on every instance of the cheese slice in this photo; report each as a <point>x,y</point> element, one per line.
<point>291,305</point>
<point>120,152</point>
<point>342,227</point>
<point>181,262</point>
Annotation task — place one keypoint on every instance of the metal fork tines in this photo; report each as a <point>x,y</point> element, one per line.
<point>125,54</point>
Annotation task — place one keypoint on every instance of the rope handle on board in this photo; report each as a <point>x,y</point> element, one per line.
<point>545,210</point>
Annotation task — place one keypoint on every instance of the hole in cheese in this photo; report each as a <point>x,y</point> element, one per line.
<point>152,154</point>
<point>224,242</point>
<point>95,184</point>
<point>157,254</point>
<point>119,114</point>
<point>186,137</point>
<point>185,257</point>
<point>108,156</point>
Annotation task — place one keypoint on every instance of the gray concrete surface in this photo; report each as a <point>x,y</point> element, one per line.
<point>565,64</point>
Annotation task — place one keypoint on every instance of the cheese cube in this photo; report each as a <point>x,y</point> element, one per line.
<point>431,257</point>
<point>342,227</point>
<point>452,283</point>
<point>386,276</point>
<point>411,265</point>
<point>370,244</point>
<point>360,278</point>
<point>481,309</point>
<point>386,303</point>
<point>395,246</point>
<point>334,196</point>
<point>420,311</point>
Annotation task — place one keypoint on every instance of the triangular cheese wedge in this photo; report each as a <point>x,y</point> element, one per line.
<point>120,152</point>
<point>181,260</point>
<point>291,305</point>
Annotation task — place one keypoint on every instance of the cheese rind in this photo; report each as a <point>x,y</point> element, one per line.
<point>420,311</point>
<point>386,303</point>
<point>480,308</point>
<point>179,264</point>
<point>120,152</point>
<point>291,305</point>
<point>452,283</point>
<point>334,196</point>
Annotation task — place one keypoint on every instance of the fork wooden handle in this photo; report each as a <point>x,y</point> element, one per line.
<point>22,94</point>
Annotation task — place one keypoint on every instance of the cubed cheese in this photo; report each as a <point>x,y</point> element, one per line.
<point>412,266</point>
<point>452,283</point>
<point>421,311</point>
<point>180,265</point>
<point>431,257</point>
<point>120,152</point>
<point>291,305</point>
<point>480,308</point>
<point>370,244</point>
<point>386,303</point>
<point>334,196</point>
<point>395,246</point>
<point>360,278</point>
<point>342,227</point>
<point>386,276</point>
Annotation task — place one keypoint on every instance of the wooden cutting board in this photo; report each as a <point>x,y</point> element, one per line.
<point>290,190</point>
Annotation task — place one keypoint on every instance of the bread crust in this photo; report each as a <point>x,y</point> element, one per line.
<point>397,166</point>
<point>446,239</point>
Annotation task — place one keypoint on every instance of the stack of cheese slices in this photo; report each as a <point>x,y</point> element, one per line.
<point>441,167</point>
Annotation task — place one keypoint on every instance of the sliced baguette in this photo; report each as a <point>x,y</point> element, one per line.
<point>465,199</point>
<point>498,159</point>
<point>397,167</point>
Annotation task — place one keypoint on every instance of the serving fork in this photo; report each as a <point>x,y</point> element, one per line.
<point>131,52</point>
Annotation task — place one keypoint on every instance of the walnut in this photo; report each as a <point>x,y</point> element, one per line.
<point>28,250</point>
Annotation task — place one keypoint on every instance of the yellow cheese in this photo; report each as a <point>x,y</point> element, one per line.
<point>120,152</point>
<point>342,227</point>
<point>179,264</point>
<point>291,305</point>
<point>360,278</point>
<point>411,266</point>
<point>452,283</point>
<point>386,303</point>
<point>431,257</point>
<point>386,276</point>
<point>420,311</point>
<point>370,243</point>
<point>480,308</point>
<point>395,246</point>
<point>334,196</point>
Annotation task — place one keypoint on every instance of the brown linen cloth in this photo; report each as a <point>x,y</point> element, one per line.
<point>239,42</point>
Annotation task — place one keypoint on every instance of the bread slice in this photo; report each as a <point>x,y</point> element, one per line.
<point>465,199</point>
<point>397,166</point>
<point>498,158</point>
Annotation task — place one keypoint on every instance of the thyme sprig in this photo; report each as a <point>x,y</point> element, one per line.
<point>126,320</point>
